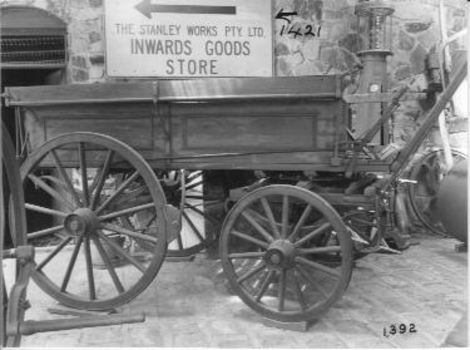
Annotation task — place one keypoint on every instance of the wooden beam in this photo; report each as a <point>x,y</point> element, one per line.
<point>382,97</point>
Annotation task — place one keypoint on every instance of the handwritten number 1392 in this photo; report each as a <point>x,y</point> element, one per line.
<point>400,329</point>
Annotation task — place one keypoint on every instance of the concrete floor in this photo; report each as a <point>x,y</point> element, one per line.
<point>190,305</point>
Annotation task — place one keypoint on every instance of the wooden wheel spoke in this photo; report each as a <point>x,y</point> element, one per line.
<point>210,203</point>
<point>309,280</point>
<point>94,183</point>
<point>193,176</point>
<point>204,203</point>
<point>326,238</point>
<point>89,270</point>
<point>147,227</point>
<point>250,239</point>
<point>179,240</point>
<point>127,211</point>
<point>119,250</point>
<point>83,173</point>
<point>320,250</point>
<point>44,210</point>
<point>267,236</point>
<point>246,255</point>
<point>152,219</point>
<point>71,265</point>
<point>189,187</point>
<point>298,293</point>
<point>129,233</point>
<point>318,266</point>
<point>136,193</point>
<point>282,289</point>
<point>285,216</point>
<point>46,232</point>
<point>55,180</point>
<point>66,178</point>
<point>53,193</point>
<point>200,212</point>
<point>270,216</point>
<point>312,234</point>
<point>101,179</point>
<point>194,206</point>
<point>195,197</point>
<point>254,271</point>
<point>193,227</point>
<point>265,285</point>
<point>109,266</point>
<point>300,223</point>
<point>118,191</point>
<point>56,251</point>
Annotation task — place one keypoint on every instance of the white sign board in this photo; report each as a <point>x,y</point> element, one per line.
<point>188,38</point>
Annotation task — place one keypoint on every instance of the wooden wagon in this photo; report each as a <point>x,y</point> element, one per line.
<point>116,171</point>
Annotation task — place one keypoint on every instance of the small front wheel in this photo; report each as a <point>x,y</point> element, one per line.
<point>286,253</point>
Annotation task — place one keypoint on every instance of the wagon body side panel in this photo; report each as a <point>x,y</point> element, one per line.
<point>130,123</point>
<point>250,123</point>
<point>276,134</point>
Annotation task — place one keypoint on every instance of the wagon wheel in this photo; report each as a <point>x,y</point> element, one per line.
<point>92,259</point>
<point>280,265</point>
<point>12,190</point>
<point>429,171</point>
<point>184,190</point>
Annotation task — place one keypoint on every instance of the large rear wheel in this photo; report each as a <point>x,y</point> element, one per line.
<point>84,194</point>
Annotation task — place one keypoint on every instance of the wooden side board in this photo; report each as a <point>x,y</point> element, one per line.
<point>316,87</point>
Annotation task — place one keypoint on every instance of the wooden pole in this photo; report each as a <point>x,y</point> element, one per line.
<point>412,146</point>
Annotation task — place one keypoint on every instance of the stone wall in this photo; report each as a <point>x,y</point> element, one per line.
<point>415,34</point>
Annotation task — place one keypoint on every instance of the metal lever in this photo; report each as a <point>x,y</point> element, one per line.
<point>32,327</point>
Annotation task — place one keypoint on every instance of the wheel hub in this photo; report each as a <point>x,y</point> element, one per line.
<point>280,255</point>
<point>82,222</point>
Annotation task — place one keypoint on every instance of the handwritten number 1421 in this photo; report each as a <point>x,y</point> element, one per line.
<point>308,30</point>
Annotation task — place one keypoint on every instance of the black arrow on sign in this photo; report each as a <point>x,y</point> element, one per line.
<point>147,8</point>
<point>283,15</point>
